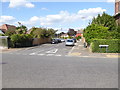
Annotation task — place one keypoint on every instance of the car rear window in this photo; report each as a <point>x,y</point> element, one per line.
<point>69,40</point>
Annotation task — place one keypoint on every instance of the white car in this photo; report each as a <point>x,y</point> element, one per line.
<point>62,40</point>
<point>69,42</point>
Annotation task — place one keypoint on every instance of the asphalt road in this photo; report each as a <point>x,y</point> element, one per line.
<point>48,66</point>
<point>45,50</point>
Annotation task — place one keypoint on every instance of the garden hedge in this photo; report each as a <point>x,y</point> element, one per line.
<point>21,40</point>
<point>113,45</point>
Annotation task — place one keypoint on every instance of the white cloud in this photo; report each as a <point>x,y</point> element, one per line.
<point>29,5</point>
<point>91,12</point>
<point>66,17</point>
<point>18,3</point>
<point>63,18</point>
<point>34,18</point>
<point>110,1</point>
<point>6,19</point>
<point>5,0</point>
<point>44,9</point>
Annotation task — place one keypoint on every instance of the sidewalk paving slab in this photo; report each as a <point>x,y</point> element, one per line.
<point>79,50</point>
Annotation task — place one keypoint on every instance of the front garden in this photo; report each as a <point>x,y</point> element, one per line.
<point>103,30</point>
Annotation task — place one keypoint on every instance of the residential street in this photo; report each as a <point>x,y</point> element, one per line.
<point>55,66</point>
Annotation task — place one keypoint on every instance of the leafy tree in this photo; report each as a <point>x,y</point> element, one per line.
<point>10,32</point>
<point>102,27</point>
<point>106,21</point>
<point>21,29</point>
<point>96,31</point>
<point>2,34</point>
<point>21,40</point>
<point>51,32</point>
<point>42,32</point>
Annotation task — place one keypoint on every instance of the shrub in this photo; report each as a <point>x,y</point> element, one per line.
<point>21,40</point>
<point>96,31</point>
<point>113,45</point>
<point>78,37</point>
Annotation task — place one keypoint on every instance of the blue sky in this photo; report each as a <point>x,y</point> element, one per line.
<point>55,15</point>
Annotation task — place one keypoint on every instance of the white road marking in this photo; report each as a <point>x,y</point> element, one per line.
<point>32,54</point>
<point>52,51</point>
<point>49,54</point>
<point>71,50</point>
<point>41,54</point>
<point>58,55</point>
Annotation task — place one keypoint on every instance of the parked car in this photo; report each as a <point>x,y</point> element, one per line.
<point>74,40</point>
<point>69,42</point>
<point>54,41</point>
<point>62,40</point>
<point>59,41</point>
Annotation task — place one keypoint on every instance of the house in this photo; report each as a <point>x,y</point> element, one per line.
<point>71,32</point>
<point>79,33</point>
<point>6,27</point>
<point>65,35</point>
<point>117,11</point>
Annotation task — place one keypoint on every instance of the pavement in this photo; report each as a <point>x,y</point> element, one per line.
<point>79,50</point>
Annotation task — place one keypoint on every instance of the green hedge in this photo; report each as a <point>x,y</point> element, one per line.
<point>113,45</point>
<point>21,40</point>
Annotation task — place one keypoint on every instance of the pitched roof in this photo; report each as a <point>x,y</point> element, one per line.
<point>6,27</point>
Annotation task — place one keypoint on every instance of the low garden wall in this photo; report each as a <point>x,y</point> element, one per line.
<point>3,42</point>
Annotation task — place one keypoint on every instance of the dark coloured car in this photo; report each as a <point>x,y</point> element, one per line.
<point>74,40</point>
<point>59,40</point>
<point>54,41</point>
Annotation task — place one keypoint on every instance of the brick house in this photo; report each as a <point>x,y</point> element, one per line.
<point>6,27</point>
<point>79,33</point>
<point>117,11</point>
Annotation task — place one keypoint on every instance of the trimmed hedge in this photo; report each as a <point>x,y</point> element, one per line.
<point>113,45</point>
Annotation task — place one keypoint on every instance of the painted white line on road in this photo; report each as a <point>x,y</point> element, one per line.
<point>49,54</point>
<point>52,51</point>
<point>71,50</point>
<point>41,54</point>
<point>58,55</point>
<point>32,54</point>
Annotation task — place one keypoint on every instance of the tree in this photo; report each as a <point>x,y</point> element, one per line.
<point>42,32</point>
<point>21,29</point>
<point>51,32</point>
<point>106,21</point>
<point>10,32</point>
<point>95,31</point>
<point>71,32</point>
